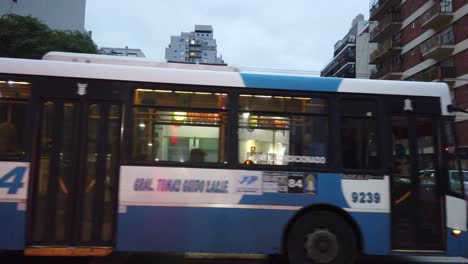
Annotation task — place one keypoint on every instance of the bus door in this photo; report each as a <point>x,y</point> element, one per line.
<point>417,203</point>
<point>74,195</point>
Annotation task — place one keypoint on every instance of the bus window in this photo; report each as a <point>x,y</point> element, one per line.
<point>13,105</point>
<point>175,130</point>
<point>425,150</point>
<point>278,130</point>
<point>359,134</point>
<point>456,180</point>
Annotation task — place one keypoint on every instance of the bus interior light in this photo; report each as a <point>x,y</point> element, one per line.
<point>180,116</point>
<point>13,82</point>
<point>162,91</point>
<point>144,90</point>
<point>456,232</point>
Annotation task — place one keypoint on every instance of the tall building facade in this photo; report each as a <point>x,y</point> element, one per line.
<point>198,46</point>
<point>346,56</point>
<point>57,14</point>
<point>423,40</point>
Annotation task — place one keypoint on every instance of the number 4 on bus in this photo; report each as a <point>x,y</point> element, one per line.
<point>13,180</point>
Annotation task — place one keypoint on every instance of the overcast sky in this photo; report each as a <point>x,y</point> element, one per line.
<point>292,35</point>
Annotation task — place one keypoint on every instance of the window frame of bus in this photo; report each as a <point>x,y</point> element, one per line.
<point>27,118</point>
<point>296,166</point>
<point>450,120</point>
<point>182,88</point>
<point>379,129</point>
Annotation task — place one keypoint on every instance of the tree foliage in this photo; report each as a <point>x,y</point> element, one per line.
<point>27,37</point>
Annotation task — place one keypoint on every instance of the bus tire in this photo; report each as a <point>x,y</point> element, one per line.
<point>321,237</point>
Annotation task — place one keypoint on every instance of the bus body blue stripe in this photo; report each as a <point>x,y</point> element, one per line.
<point>375,229</point>
<point>214,230</point>
<point>12,227</point>
<point>225,230</point>
<point>457,246</point>
<point>304,83</point>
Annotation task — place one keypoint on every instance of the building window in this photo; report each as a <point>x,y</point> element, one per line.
<point>179,126</point>
<point>446,6</point>
<point>285,131</point>
<point>14,97</point>
<point>359,134</point>
<point>447,36</point>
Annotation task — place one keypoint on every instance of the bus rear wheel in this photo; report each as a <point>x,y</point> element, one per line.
<point>321,237</point>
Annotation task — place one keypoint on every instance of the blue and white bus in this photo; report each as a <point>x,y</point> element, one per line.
<point>101,154</point>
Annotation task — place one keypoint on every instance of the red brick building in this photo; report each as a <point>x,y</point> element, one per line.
<point>423,40</point>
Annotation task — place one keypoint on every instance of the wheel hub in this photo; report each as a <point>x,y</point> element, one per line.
<point>321,246</point>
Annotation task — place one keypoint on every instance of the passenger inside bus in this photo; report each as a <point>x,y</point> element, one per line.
<point>401,166</point>
<point>197,155</point>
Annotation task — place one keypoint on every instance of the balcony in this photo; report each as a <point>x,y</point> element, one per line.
<point>390,72</point>
<point>390,47</point>
<point>378,8</point>
<point>439,74</point>
<point>195,48</point>
<point>439,15</point>
<point>339,65</point>
<point>346,71</point>
<point>386,27</point>
<point>438,47</point>
<point>327,71</point>
<point>344,43</point>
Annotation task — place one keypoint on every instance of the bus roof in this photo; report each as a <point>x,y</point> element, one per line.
<point>130,61</point>
<point>91,66</point>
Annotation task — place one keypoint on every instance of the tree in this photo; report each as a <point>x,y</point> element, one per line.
<point>27,37</point>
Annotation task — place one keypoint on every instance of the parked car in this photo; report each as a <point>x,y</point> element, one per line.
<point>455,181</point>
<point>427,177</point>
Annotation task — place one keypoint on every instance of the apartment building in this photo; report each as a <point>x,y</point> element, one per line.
<point>197,46</point>
<point>343,63</point>
<point>351,53</point>
<point>57,14</point>
<point>423,40</point>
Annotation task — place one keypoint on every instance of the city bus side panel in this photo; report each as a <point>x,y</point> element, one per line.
<point>13,193</point>
<point>162,216</point>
